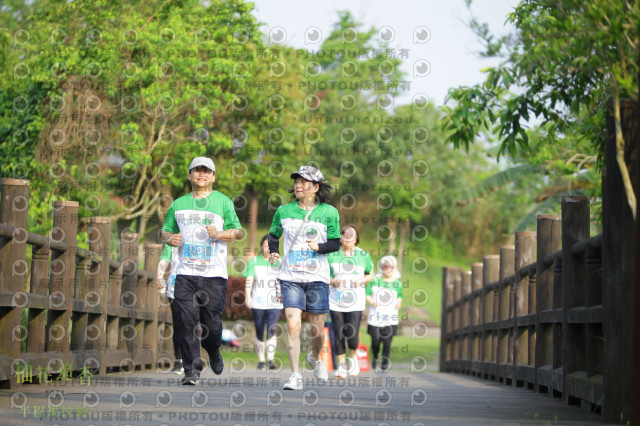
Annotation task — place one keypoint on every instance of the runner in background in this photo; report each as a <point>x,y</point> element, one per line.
<point>310,228</point>
<point>261,298</point>
<point>351,269</point>
<point>168,258</point>
<point>384,295</point>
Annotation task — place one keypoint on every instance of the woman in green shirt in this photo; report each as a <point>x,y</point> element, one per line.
<point>351,269</point>
<point>310,230</point>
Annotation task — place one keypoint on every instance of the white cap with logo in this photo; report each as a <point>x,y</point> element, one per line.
<point>202,161</point>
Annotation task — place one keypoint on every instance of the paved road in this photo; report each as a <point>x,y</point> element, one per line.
<point>245,396</point>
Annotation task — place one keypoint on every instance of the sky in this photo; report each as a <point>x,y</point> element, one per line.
<point>442,50</point>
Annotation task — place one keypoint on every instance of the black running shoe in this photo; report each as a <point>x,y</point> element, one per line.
<point>217,363</point>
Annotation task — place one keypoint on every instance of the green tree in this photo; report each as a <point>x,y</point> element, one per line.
<point>125,95</point>
<point>565,61</point>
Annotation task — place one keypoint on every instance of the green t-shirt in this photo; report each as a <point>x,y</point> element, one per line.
<point>351,297</point>
<point>263,291</point>
<point>300,263</point>
<point>199,254</point>
<point>386,295</point>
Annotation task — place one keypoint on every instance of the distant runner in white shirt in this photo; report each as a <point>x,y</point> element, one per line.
<point>262,299</point>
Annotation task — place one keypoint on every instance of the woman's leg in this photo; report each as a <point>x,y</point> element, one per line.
<point>259,319</point>
<point>351,334</point>
<point>272,321</point>
<point>337,319</point>
<point>386,337</point>
<point>294,316</point>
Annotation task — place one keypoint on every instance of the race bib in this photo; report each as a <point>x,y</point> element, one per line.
<point>199,254</point>
<point>303,261</point>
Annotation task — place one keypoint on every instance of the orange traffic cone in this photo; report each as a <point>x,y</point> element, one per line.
<point>325,353</point>
<point>363,357</point>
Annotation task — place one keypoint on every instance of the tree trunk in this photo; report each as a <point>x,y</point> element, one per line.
<point>391,245</point>
<point>253,222</point>
<point>402,244</point>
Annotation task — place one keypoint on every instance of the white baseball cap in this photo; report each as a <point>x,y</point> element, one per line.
<point>202,161</point>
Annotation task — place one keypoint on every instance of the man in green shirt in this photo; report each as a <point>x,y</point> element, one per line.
<point>200,224</point>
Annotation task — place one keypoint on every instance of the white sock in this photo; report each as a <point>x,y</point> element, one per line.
<point>271,347</point>
<point>260,349</point>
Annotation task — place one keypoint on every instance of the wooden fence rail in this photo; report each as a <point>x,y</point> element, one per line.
<point>80,311</point>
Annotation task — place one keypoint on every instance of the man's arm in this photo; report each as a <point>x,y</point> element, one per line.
<point>161,272</point>
<point>227,235</point>
<point>171,239</point>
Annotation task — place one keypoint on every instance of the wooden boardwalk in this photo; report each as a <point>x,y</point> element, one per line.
<point>245,396</point>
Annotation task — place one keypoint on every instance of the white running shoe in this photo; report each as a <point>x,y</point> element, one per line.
<point>318,368</point>
<point>294,382</point>
<point>341,372</point>
<point>354,368</point>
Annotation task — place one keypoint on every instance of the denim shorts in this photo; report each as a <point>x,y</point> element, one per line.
<point>311,297</point>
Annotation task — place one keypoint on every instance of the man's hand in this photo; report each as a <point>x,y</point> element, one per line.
<point>273,257</point>
<point>171,239</point>
<point>212,231</point>
<point>160,283</point>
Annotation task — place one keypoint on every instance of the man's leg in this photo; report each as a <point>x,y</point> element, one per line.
<point>176,335</point>
<point>213,300</point>
<point>188,319</point>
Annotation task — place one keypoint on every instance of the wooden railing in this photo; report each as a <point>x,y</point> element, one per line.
<point>80,311</point>
<point>532,323</point>
<point>558,312</point>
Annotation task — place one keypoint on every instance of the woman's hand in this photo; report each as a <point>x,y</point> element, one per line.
<point>313,245</point>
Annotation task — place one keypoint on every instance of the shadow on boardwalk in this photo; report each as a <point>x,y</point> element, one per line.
<point>252,397</point>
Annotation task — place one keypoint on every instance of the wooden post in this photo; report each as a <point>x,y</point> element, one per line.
<point>549,241</point>
<point>525,255</point>
<point>129,243</point>
<point>476,310</point>
<point>490,275</point>
<point>99,243</point>
<point>63,268</point>
<point>595,336</point>
<point>507,268</point>
<point>152,254</point>
<point>113,320</point>
<point>80,320</point>
<point>37,318</point>
<point>619,269</point>
<point>13,211</point>
<point>447,290</point>
<point>575,228</point>
<point>466,291</point>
